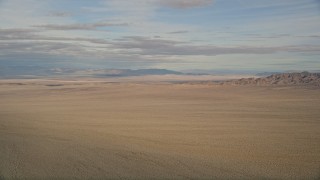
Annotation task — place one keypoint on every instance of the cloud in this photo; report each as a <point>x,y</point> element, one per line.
<point>149,46</point>
<point>17,34</point>
<point>60,14</point>
<point>33,35</point>
<point>83,26</point>
<point>27,40</point>
<point>178,32</point>
<point>144,43</point>
<point>151,4</point>
<point>183,4</point>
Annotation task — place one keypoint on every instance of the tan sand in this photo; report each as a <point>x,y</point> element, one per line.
<point>52,129</point>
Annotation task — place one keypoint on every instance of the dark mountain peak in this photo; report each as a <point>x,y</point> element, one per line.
<point>138,72</point>
<point>154,71</point>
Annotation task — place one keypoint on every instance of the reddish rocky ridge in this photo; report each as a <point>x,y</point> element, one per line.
<point>303,78</point>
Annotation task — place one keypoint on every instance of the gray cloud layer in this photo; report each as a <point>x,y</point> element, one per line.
<point>59,14</point>
<point>149,46</point>
<point>88,26</point>
<point>178,32</point>
<point>28,41</point>
<point>33,34</point>
<point>182,4</point>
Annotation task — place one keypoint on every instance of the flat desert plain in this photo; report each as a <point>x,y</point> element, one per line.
<point>97,130</point>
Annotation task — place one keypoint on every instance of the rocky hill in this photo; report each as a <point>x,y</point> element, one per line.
<point>303,78</point>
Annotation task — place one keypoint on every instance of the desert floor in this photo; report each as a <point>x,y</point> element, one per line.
<point>78,129</point>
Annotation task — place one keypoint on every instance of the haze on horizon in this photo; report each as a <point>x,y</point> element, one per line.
<point>238,35</point>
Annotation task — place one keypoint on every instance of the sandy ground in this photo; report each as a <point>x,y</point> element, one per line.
<point>51,129</point>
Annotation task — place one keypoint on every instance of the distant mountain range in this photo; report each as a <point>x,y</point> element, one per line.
<point>138,72</point>
<point>265,74</point>
<point>265,78</point>
<point>33,71</point>
<point>302,78</point>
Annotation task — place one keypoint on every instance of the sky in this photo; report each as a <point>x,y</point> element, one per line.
<point>238,35</point>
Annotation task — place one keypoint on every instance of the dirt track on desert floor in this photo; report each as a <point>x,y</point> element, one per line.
<point>147,131</point>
